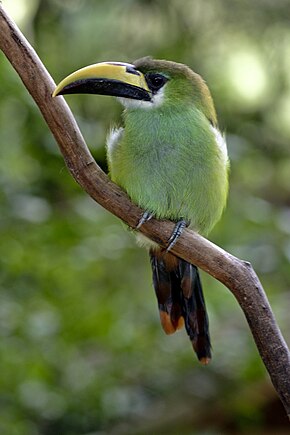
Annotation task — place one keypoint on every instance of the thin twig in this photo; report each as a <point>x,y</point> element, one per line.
<point>236,274</point>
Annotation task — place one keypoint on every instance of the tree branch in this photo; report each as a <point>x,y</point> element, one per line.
<point>237,275</point>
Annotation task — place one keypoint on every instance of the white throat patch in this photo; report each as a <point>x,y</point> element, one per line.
<point>156,101</point>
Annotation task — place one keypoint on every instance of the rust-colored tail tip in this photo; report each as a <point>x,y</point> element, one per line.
<point>205,361</point>
<point>166,323</point>
<point>180,323</point>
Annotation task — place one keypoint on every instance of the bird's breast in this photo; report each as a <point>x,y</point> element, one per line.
<point>172,169</point>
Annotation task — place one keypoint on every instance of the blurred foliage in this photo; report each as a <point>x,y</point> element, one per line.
<point>82,350</point>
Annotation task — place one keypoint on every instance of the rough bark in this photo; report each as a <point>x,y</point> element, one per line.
<point>235,274</point>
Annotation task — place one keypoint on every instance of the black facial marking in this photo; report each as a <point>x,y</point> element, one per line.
<point>155,81</point>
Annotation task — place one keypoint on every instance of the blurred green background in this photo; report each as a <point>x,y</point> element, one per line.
<point>82,351</point>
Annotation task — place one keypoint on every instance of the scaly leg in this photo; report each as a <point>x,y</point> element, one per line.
<point>178,230</point>
<point>146,216</point>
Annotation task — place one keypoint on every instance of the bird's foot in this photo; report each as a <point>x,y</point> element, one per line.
<point>146,216</point>
<point>178,230</point>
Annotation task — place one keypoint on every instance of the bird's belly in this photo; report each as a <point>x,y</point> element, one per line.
<point>172,189</point>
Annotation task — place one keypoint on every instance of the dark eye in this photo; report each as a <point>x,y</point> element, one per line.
<point>155,81</point>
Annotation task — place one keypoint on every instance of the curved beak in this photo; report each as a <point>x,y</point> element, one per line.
<point>106,78</point>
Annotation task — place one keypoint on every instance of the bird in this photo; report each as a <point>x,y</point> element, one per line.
<point>171,158</point>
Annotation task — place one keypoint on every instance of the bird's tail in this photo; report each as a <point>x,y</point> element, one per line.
<point>180,300</point>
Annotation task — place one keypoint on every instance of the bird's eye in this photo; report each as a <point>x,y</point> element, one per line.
<point>155,81</point>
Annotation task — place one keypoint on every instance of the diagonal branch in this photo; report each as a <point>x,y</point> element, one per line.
<point>236,274</point>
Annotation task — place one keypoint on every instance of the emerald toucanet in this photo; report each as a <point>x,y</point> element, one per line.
<point>172,161</point>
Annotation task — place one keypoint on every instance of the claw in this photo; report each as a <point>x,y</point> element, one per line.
<point>146,216</point>
<point>178,229</point>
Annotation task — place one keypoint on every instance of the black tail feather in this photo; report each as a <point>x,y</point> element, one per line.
<point>194,310</point>
<point>180,300</point>
<point>168,294</point>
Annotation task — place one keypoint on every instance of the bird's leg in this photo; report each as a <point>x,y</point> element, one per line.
<point>146,216</point>
<point>178,229</point>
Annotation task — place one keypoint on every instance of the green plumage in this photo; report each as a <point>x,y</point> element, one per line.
<point>172,161</point>
<point>168,160</point>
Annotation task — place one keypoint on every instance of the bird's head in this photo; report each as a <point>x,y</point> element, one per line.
<point>145,84</point>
